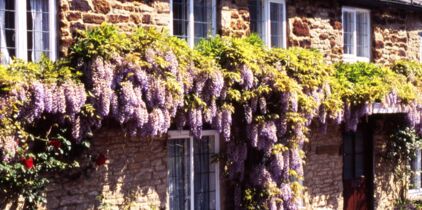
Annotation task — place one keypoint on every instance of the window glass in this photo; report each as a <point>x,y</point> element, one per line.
<point>416,169</point>
<point>7,30</point>
<point>420,47</point>
<point>276,24</point>
<point>180,18</point>
<point>38,29</point>
<point>255,13</point>
<point>179,173</point>
<point>362,25</point>
<point>348,27</point>
<point>204,173</point>
<point>356,34</point>
<point>198,166</point>
<point>202,19</point>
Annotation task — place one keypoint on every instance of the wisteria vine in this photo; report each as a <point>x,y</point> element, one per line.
<point>261,100</point>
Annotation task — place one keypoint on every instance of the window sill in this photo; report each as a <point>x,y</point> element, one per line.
<point>354,59</point>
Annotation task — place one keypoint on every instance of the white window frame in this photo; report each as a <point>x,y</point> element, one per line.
<point>420,47</point>
<point>416,192</point>
<point>191,21</point>
<point>184,134</point>
<point>266,17</point>
<point>353,57</point>
<point>21,31</point>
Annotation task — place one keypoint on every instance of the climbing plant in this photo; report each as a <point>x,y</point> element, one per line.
<point>261,100</point>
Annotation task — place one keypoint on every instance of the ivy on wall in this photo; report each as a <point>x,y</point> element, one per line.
<point>261,100</point>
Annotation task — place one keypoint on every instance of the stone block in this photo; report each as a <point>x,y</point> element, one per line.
<point>93,18</point>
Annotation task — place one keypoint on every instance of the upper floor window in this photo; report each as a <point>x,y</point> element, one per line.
<point>193,176</point>
<point>356,34</point>
<point>193,19</point>
<point>420,47</point>
<point>268,20</point>
<point>27,29</point>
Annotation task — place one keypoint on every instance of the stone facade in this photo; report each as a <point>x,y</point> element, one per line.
<point>133,177</point>
<point>135,174</point>
<point>81,14</point>
<point>386,188</point>
<point>396,35</point>
<point>323,169</point>
<point>316,25</point>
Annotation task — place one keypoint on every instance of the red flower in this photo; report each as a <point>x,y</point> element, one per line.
<point>101,159</point>
<point>55,143</point>
<point>28,162</point>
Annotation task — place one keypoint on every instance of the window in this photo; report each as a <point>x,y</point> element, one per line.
<point>415,182</point>
<point>356,34</point>
<point>420,47</point>
<point>193,19</point>
<point>27,29</point>
<point>268,19</point>
<point>193,175</point>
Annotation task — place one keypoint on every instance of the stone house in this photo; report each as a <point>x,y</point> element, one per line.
<point>342,170</point>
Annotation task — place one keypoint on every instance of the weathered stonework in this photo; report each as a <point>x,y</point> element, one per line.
<point>235,18</point>
<point>317,25</point>
<point>134,176</point>
<point>77,15</point>
<point>396,35</point>
<point>323,169</point>
<point>386,187</point>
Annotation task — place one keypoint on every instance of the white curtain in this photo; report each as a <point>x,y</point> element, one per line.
<point>5,57</point>
<point>37,29</point>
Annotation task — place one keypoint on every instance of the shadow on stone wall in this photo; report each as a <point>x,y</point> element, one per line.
<point>386,189</point>
<point>323,169</point>
<point>134,176</point>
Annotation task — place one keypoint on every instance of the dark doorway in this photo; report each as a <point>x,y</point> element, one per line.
<point>358,168</point>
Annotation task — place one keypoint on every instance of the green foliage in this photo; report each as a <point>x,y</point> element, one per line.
<point>367,83</point>
<point>45,70</point>
<point>403,144</point>
<point>103,41</point>
<point>413,72</point>
<point>296,77</point>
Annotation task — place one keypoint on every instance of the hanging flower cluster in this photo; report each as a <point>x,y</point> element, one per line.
<point>261,100</point>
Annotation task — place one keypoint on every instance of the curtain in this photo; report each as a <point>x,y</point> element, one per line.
<point>37,29</point>
<point>5,57</point>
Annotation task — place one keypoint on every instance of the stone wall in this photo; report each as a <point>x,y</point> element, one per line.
<point>396,35</point>
<point>133,177</point>
<point>317,25</point>
<point>323,169</point>
<point>82,14</point>
<point>234,18</point>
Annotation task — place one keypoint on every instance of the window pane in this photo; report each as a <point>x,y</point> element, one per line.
<point>204,178</point>
<point>348,28</point>
<point>359,141</point>
<point>180,18</point>
<point>359,165</point>
<point>416,169</point>
<point>203,19</point>
<point>276,24</point>
<point>7,30</point>
<point>362,31</point>
<point>38,29</point>
<point>348,167</point>
<point>255,12</point>
<point>179,173</point>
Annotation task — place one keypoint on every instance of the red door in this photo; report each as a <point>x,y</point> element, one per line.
<point>357,169</point>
